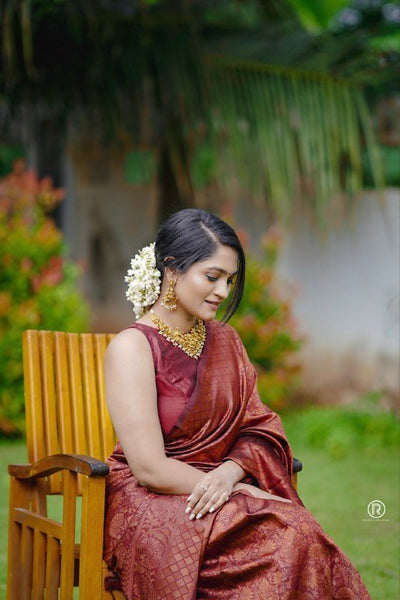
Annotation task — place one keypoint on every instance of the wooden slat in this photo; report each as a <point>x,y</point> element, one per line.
<point>68,538</point>
<point>48,393</point>
<point>39,498</point>
<point>19,496</point>
<point>78,418</point>
<point>14,557</point>
<point>63,397</point>
<point>112,437</point>
<point>90,395</point>
<point>49,404</point>
<point>90,580</point>
<point>77,409</point>
<point>44,524</point>
<point>39,565</point>
<point>106,428</point>
<point>52,568</point>
<point>26,563</point>
<point>33,396</point>
<point>14,553</point>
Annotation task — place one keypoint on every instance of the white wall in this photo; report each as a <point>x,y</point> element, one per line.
<point>348,300</point>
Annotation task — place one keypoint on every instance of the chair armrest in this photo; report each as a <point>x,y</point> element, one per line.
<point>78,463</point>
<point>297,465</point>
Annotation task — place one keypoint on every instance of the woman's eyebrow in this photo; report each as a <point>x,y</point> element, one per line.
<point>221,271</point>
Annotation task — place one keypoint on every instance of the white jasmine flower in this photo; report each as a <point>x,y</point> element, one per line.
<point>144,280</point>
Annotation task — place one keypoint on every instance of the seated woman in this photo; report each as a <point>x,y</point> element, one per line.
<point>200,503</point>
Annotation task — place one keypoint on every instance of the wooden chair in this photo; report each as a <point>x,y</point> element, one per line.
<point>69,435</point>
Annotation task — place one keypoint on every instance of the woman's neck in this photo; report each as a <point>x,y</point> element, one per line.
<point>178,318</point>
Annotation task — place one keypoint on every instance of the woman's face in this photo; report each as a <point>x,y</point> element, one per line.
<point>207,283</point>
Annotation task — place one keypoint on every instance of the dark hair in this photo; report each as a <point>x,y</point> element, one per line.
<point>192,235</point>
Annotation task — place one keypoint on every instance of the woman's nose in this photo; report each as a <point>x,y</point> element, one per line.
<point>222,288</point>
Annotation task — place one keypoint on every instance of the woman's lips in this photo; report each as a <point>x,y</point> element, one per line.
<point>215,305</point>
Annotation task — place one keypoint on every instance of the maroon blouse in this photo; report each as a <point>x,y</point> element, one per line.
<point>176,375</point>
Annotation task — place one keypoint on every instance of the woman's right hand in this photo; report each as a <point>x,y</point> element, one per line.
<point>257,493</point>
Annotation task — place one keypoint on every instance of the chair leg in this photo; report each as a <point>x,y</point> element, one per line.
<point>68,536</point>
<point>19,497</point>
<point>91,584</point>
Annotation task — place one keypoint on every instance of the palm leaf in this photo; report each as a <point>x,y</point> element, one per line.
<point>289,134</point>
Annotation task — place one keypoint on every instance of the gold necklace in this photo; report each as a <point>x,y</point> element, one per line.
<point>191,343</point>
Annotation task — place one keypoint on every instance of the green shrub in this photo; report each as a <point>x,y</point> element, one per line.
<point>265,322</point>
<point>339,429</point>
<point>38,285</point>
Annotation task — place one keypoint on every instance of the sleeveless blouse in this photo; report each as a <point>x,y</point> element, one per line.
<point>176,375</point>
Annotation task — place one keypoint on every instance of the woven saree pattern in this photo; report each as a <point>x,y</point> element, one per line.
<point>250,548</point>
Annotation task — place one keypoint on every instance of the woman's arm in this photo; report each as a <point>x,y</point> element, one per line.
<point>132,403</point>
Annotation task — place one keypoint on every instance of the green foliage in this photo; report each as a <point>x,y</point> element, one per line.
<point>391,162</point>
<point>265,94</point>
<point>340,429</point>
<point>204,165</point>
<point>316,15</point>
<point>140,167</point>
<point>37,282</point>
<point>8,154</point>
<point>265,323</point>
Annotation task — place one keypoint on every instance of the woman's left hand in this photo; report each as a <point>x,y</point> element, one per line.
<point>214,489</point>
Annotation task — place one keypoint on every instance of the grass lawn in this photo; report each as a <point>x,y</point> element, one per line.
<point>336,491</point>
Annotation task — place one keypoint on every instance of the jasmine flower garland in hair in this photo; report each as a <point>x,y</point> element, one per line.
<point>143,280</point>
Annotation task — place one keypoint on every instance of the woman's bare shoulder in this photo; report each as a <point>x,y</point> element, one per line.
<point>130,342</point>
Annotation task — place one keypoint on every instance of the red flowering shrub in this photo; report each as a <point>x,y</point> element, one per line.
<point>38,285</point>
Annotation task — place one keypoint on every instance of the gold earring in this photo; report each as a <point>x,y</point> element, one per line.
<point>169,299</point>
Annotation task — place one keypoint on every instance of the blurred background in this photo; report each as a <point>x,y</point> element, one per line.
<point>282,117</point>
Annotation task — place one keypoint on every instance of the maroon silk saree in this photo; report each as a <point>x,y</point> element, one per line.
<point>250,548</point>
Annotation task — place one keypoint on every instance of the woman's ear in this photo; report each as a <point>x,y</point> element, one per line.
<point>170,272</point>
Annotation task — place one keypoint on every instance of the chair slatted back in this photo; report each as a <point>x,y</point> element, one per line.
<point>65,403</point>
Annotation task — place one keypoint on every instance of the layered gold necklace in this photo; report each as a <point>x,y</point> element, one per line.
<point>191,343</point>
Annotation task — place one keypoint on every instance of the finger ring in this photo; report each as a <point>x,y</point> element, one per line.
<point>204,487</point>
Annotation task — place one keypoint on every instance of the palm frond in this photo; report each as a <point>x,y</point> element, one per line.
<point>293,136</point>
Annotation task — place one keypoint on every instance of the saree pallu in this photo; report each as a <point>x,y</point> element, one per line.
<point>250,548</point>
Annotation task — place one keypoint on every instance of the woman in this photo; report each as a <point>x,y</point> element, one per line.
<point>200,502</point>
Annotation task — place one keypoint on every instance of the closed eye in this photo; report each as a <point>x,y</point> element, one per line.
<point>211,278</point>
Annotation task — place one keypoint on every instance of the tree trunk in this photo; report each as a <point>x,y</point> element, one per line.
<point>174,184</point>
